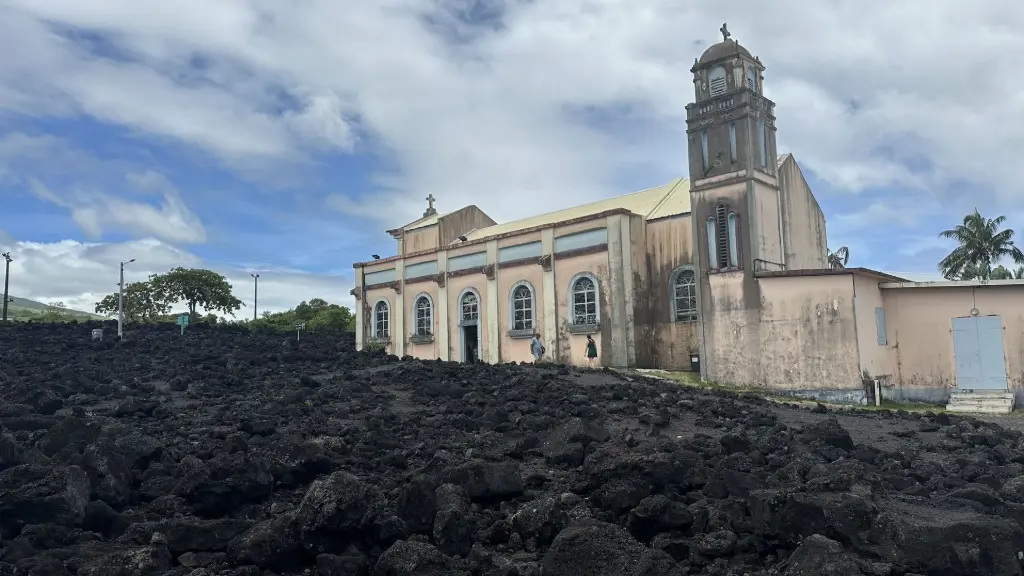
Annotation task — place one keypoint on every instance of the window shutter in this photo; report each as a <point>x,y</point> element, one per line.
<point>716,81</point>
<point>880,325</point>
<point>723,235</point>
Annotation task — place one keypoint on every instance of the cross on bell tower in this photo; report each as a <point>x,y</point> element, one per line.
<point>430,211</point>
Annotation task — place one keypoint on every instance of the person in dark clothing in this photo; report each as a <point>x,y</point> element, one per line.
<point>591,352</point>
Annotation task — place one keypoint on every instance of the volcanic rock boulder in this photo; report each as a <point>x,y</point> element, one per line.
<point>592,548</point>
<point>488,481</point>
<point>415,504</point>
<point>408,558</point>
<point>819,556</point>
<point>336,511</point>
<point>452,529</point>
<point>567,443</point>
<point>37,494</point>
<point>273,544</point>
<point>933,540</point>
<point>656,514</point>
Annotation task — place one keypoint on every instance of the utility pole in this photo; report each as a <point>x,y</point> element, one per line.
<point>120,302</point>
<point>7,277</point>
<point>255,293</point>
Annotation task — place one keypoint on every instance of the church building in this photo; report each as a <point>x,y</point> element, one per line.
<point>729,266</point>
<point>630,270</point>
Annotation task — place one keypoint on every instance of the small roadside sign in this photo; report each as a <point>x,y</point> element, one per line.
<point>298,330</point>
<point>183,321</point>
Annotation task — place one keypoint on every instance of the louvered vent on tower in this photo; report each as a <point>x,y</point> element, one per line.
<point>722,234</point>
<point>716,81</point>
<point>717,86</point>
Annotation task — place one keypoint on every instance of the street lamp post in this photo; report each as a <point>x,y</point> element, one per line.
<point>7,275</point>
<point>120,301</point>
<point>255,293</point>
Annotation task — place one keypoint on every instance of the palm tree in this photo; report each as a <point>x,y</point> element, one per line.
<point>982,244</point>
<point>837,260</point>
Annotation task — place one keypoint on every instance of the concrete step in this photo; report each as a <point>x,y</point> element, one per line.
<point>981,402</point>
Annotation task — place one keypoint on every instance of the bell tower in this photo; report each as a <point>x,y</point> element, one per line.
<point>732,161</point>
<point>736,208</point>
<point>731,125</point>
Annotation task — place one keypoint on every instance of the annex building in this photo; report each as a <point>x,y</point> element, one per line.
<point>730,264</point>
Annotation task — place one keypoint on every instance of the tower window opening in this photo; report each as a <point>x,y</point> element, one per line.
<point>764,143</point>
<point>716,81</point>
<point>712,244</point>
<point>722,234</point>
<point>732,142</point>
<point>704,149</point>
<point>734,252</point>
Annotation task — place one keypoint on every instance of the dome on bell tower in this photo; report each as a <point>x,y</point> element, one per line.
<point>724,50</point>
<point>727,48</point>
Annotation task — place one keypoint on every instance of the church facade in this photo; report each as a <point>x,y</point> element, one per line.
<point>629,270</point>
<point>730,266</point>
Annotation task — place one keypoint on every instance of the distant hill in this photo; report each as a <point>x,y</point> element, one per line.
<point>22,309</point>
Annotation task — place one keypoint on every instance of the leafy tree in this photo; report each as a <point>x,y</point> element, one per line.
<point>837,260</point>
<point>317,314</point>
<point>303,312</point>
<point>982,244</point>
<point>334,316</point>
<point>196,288</point>
<point>140,303</point>
<point>54,312</point>
<point>1003,273</point>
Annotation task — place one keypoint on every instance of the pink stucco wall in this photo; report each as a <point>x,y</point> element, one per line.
<point>919,331</point>
<point>518,349</point>
<point>572,347</point>
<point>412,292</point>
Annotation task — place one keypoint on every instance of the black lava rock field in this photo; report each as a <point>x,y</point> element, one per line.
<point>225,451</point>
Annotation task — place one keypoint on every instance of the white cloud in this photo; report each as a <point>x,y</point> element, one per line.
<point>171,220</point>
<point>80,274</point>
<point>488,116</point>
<point>557,104</point>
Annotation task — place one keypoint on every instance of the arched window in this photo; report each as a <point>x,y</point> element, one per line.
<point>712,244</point>
<point>732,142</point>
<point>382,320</point>
<point>683,292</point>
<point>424,311</point>
<point>723,238</point>
<point>522,309</point>
<point>734,248</point>
<point>752,78</point>
<point>763,135</point>
<point>716,81</point>
<point>585,309</point>
<point>704,150</point>
<point>470,307</point>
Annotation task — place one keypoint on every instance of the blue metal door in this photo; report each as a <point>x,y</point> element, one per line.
<point>990,344</point>
<point>978,350</point>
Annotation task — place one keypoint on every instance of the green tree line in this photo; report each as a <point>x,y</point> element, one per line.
<point>151,301</point>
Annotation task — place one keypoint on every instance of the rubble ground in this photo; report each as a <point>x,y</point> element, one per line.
<point>226,451</point>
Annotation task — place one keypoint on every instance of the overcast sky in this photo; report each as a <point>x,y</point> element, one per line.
<point>284,137</point>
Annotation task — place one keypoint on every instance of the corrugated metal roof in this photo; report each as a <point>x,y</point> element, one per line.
<point>668,200</point>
